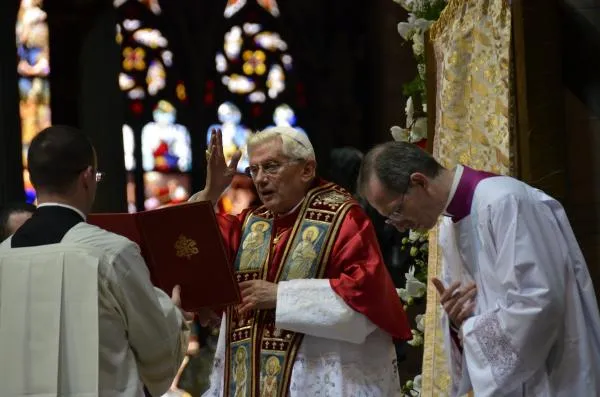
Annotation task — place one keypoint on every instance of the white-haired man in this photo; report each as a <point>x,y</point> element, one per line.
<point>319,310</point>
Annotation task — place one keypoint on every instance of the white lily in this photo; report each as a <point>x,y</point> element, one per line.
<point>418,42</point>
<point>406,30</point>
<point>416,386</point>
<point>414,287</point>
<point>417,338</point>
<point>420,24</point>
<point>400,134</point>
<point>413,235</point>
<point>403,294</point>
<point>406,4</point>
<point>420,320</point>
<point>419,130</point>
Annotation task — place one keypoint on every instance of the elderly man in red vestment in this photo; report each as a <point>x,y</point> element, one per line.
<point>319,310</point>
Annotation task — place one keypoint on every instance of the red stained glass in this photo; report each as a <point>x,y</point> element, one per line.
<point>256,111</point>
<point>137,108</point>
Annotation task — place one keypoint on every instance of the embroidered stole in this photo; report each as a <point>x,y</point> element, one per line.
<point>259,356</point>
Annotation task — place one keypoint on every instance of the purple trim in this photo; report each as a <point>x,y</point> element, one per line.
<point>460,206</point>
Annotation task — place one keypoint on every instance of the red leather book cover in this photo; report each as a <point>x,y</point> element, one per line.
<point>126,225</point>
<point>182,245</point>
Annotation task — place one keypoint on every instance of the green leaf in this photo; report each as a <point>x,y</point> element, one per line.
<point>416,87</point>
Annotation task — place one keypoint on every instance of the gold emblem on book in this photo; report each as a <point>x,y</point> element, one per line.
<point>185,247</point>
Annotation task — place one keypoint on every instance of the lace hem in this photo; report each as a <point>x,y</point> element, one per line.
<point>326,376</point>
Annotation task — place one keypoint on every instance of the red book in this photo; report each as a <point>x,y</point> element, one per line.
<point>182,245</point>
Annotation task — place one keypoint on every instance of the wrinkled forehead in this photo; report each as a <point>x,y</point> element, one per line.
<point>270,149</point>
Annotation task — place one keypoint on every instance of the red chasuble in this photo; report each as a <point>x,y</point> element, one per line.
<point>355,268</point>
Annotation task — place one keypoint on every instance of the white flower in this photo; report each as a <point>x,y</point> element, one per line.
<point>417,338</point>
<point>406,4</point>
<point>414,235</point>
<point>403,294</point>
<point>409,109</point>
<point>419,130</point>
<point>416,386</point>
<point>406,30</point>
<point>417,382</point>
<point>419,24</point>
<point>400,134</point>
<point>413,26</point>
<point>418,43</point>
<point>420,320</point>
<point>414,287</point>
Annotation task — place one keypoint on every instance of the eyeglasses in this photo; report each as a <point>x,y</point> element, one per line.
<point>270,168</point>
<point>99,175</point>
<point>396,214</point>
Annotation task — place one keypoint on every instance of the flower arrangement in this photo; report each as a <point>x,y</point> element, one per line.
<point>422,13</point>
<point>414,291</point>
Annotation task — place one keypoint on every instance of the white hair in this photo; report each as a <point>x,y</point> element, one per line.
<point>296,144</point>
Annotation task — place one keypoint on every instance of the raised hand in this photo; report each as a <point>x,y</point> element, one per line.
<point>218,173</point>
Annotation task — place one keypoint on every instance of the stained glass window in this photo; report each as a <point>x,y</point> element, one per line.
<point>254,85</point>
<point>159,172</point>
<point>33,67</point>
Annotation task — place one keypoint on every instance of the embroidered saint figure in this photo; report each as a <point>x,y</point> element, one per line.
<point>304,254</point>
<point>240,371</point>
<point>269,383</point>
<point>252,246</point>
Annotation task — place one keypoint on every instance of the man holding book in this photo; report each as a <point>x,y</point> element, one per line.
<point>117,330</point>
<point>319,310</point>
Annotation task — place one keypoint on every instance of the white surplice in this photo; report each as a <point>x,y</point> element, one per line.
<point>536,326</point>
<point>45,333</point>
<point>140,335</point>
<point>342,354</point>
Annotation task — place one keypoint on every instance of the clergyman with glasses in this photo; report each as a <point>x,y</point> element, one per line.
<point>521,317</point>
<point>328,326</point>
<point>124,332</point>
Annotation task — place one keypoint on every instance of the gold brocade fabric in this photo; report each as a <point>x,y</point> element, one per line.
<point>471,45</point>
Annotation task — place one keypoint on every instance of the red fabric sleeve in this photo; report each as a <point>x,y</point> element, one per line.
<point>231,232</point>
<point>358,275</point>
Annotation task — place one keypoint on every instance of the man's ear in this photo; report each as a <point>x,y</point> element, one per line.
<point>419,179</point>
<point>87,177</point>
<point>309,170</point>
